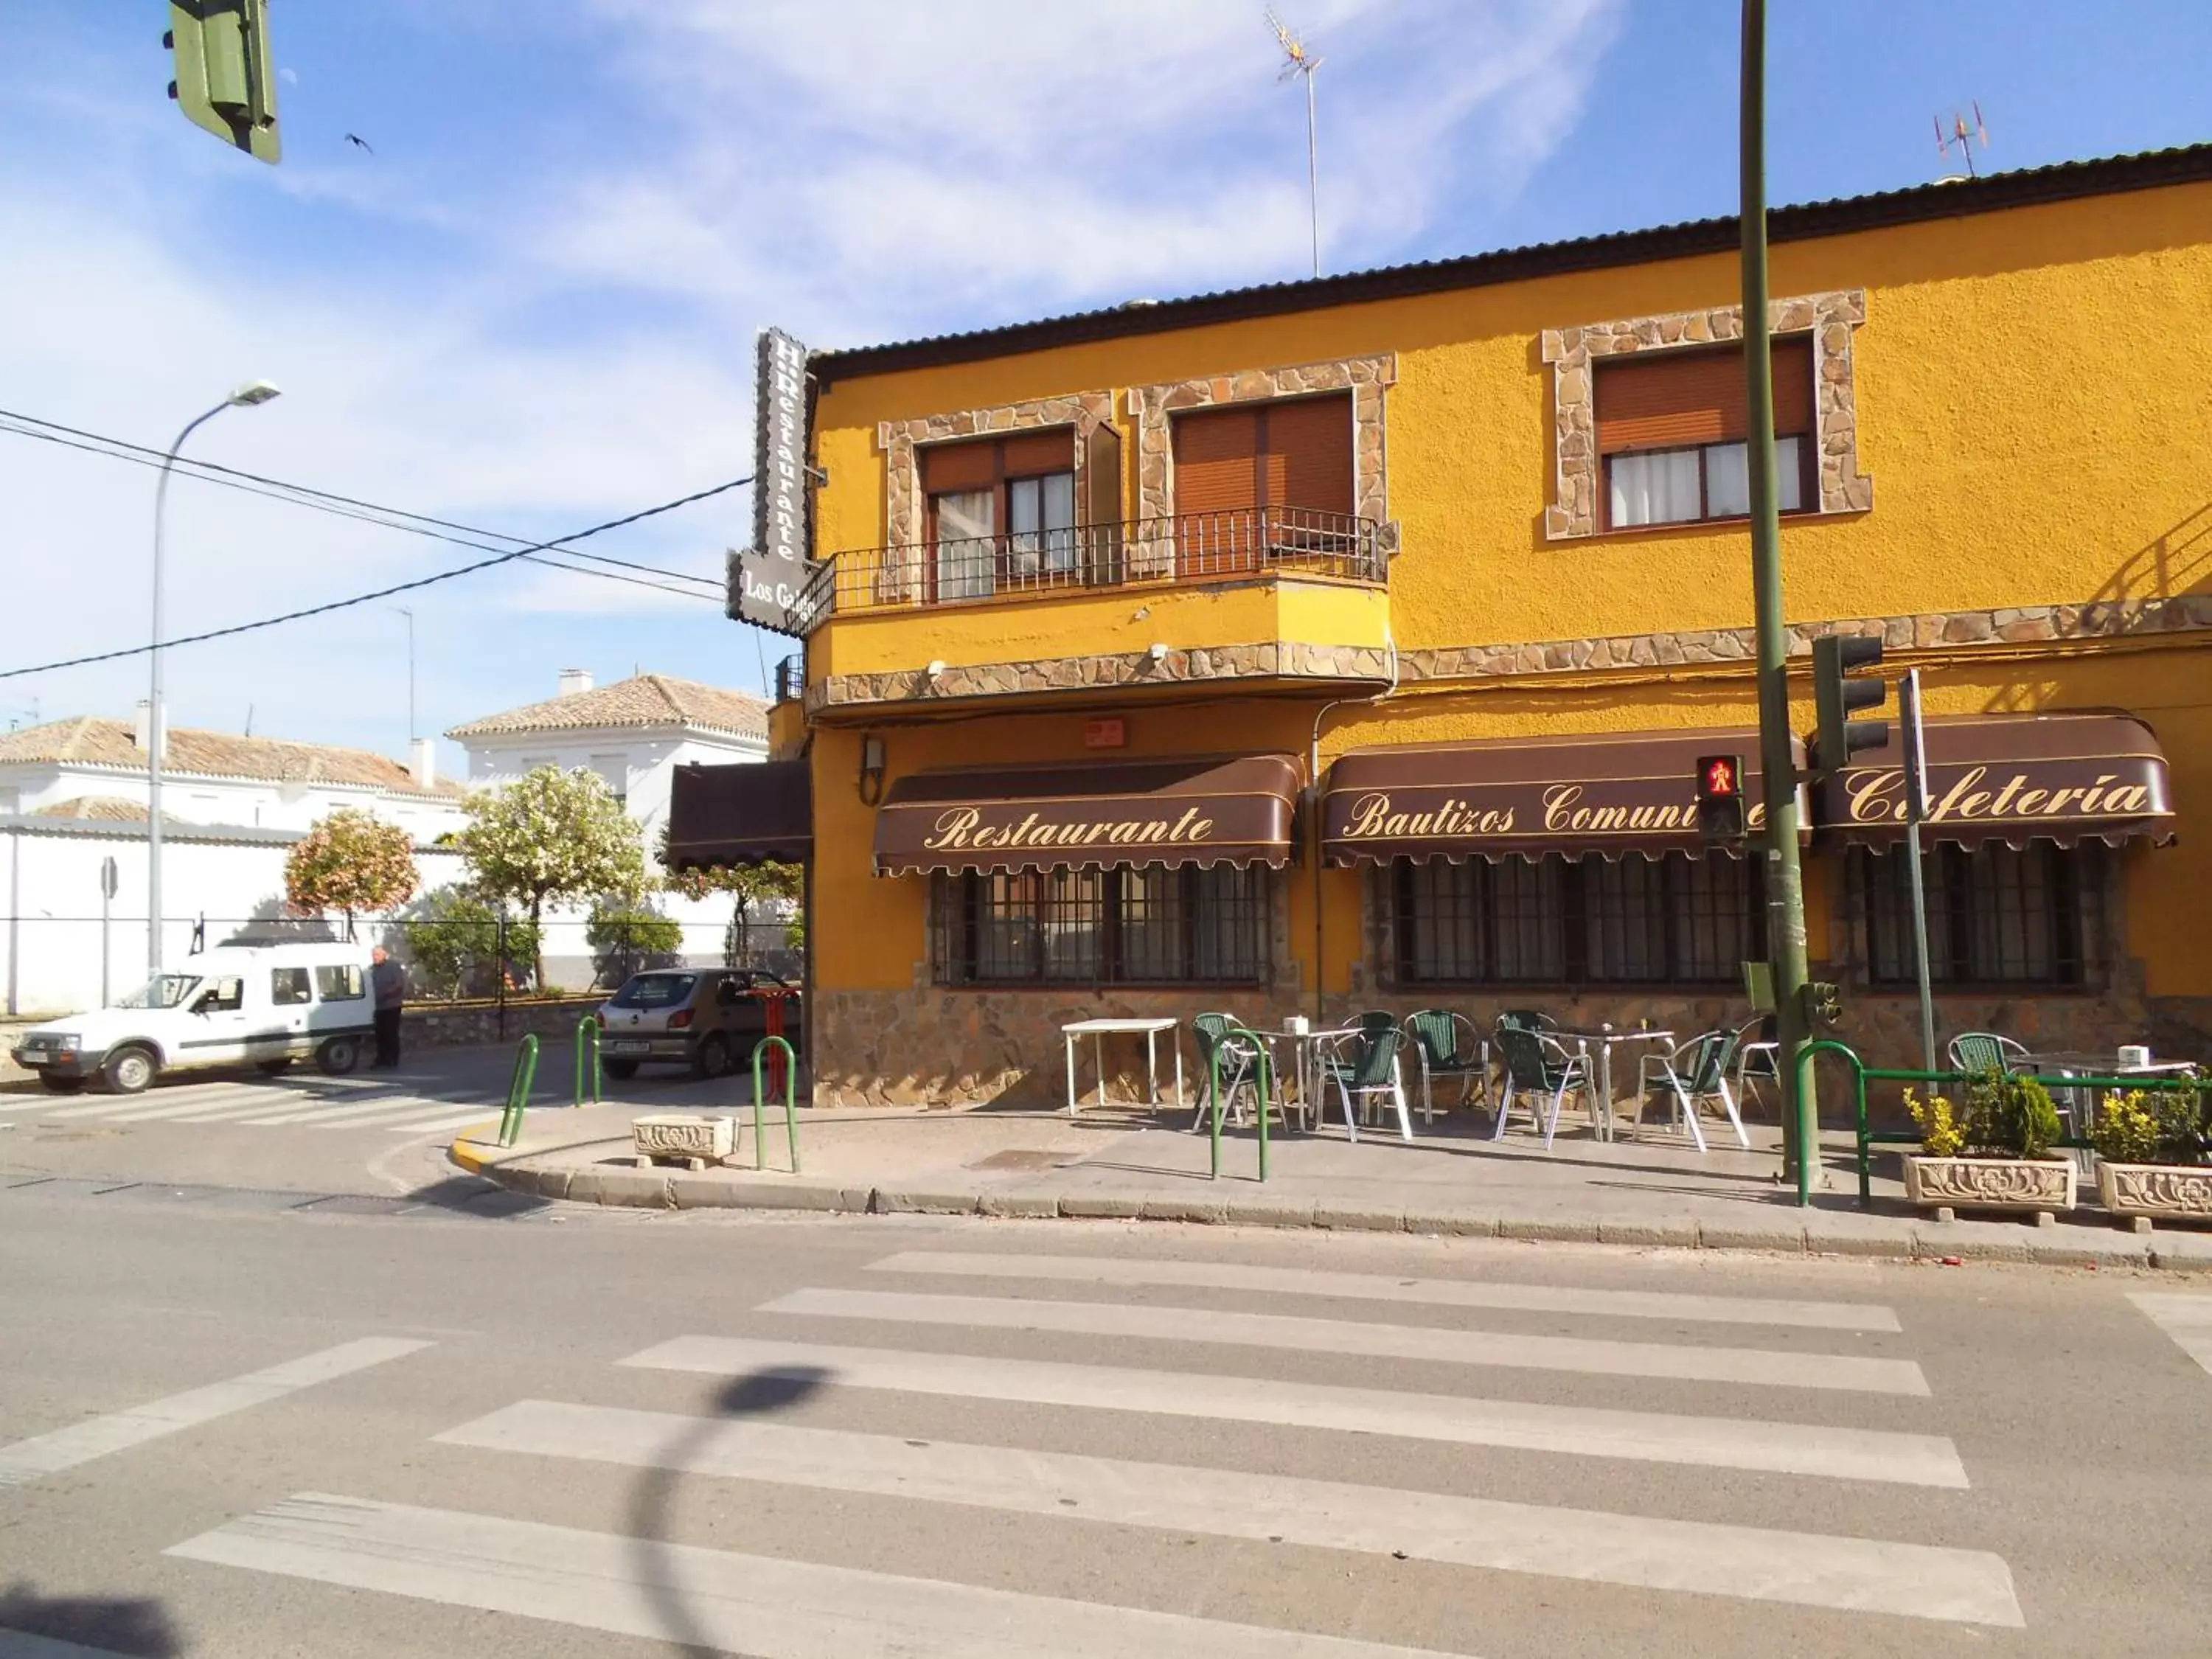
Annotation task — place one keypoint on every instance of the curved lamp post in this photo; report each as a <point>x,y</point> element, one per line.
<point>249,396</point>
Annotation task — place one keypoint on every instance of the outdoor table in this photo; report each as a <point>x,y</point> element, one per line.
<point>1304,1067</point>
<point>1605,1039</point>
<point>1099,1029</point>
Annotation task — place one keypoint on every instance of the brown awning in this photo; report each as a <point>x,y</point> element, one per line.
<point>1615,793</point>
<point>2013,778</point>
<point>1207,810</point>
<point>759,813</point>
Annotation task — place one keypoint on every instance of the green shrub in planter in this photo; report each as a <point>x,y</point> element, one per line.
<point>2010,1117</point>
<point>2146,1125</point>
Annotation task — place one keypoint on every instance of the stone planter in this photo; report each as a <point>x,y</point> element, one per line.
<point>2182,1192</point>
<point>2041,1184</point>
<point>683,1138</point>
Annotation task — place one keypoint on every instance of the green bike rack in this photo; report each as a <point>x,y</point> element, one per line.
<point>790,1100</point>
<point>588,1074</point>
<point>1267,1075</point>
<point>518,1090</point>
<point>1869,1138</point>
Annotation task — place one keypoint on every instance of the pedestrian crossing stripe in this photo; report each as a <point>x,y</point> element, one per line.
<point>1673,1361</point>
<point>713,1599</point>
<point>2186,1319</point>
<point>1387,1287</point>
<point>412,1115</point>
<point>1642,1436</point>
<point>1744,1563</point>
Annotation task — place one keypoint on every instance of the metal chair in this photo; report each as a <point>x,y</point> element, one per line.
<point>1449,1046</point>
<point>1240,1063</point>
<point>1694,1073</point>
<point>1373,1074</point>
<point>1529,1019</point>
<point>1757,1059</point>
<point>1331,1065</point>
<point>1976,1052</point>
<point>1538,1064</point>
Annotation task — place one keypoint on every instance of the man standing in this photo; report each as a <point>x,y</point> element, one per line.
<point>388,980</point>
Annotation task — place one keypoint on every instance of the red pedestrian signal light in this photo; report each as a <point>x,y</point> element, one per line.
<point>1720,797</point>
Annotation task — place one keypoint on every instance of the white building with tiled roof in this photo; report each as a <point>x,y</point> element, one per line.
<point>634,734</point>
<point>93,768</point>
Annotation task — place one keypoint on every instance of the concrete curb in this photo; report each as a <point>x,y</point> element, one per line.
<point>1901,1239</point>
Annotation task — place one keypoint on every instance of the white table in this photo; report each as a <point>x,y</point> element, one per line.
<point>1605,1040</point>
<point>1099,1029</point>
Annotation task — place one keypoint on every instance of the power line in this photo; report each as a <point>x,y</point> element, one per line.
<point>386,592</point>
<point>322,501</point>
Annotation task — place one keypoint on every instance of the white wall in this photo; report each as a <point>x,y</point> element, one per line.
<point>639,765</point>
<point>245,802</point>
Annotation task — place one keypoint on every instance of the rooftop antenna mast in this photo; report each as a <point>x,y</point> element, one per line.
<point>1962,137</point>
<point>1298,59</point>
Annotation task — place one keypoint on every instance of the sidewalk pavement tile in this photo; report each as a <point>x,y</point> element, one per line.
<point>2174,1248</point>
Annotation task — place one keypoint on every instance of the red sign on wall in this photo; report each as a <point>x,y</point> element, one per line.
<point>1105,734</point>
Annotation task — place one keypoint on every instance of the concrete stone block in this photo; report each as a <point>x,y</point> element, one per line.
<point>2115,1253</point>
<point>1269,1212</point>
<point>2182,1252</point>
<point>1359,1217</point>
<point>546,1179</point>
<point>856,1200</point>
<point>1671,1235</point>
<point>704,1192</point>
<point>1210,1211</point>
<point>1102,1207</point>
<point>1549,1228</point>
<point>913,1202</point>
<point>1902,1245</point>
<point>1021,1204</point>
<point>1452,1224</point>
<point>2000,1248</point>
<point>1773,1236</point>
<point>631,1188</point>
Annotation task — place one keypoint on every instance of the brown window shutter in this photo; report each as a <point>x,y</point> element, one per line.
<point>971,465</point>
<point>1101,503</point>
<point>1672,400</point>
<point>1308,446</point>
<point>1030,453</point>
<point>1216,461</point>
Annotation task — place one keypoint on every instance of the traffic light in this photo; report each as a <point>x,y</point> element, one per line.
<point>1836,657</point>
<point>1720,797</point>
<point>226,79</point>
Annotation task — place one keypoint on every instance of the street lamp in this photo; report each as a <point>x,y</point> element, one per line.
<point>251,395</point>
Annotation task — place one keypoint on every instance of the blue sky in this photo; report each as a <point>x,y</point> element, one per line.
<point>532,307</point>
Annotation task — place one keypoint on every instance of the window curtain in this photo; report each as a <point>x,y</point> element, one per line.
<point>1655,489</point>
<point>966,551</point>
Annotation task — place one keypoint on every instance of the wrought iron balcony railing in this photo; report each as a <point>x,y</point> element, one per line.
<point>1189,549</point>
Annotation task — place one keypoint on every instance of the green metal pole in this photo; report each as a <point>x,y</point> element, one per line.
<point>759,1147</point>
<point>518,1090</point>
<point>1215,1064</point>
<point>1785,889</point>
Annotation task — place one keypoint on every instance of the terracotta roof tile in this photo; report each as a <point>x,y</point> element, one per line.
<point>103,809</point>
<point>645,700</point>
<point>88,740</point>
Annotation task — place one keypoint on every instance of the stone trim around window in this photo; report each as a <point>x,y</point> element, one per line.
<point>1829,319</point>
<point>900,439</point>
<point>1153,407</point>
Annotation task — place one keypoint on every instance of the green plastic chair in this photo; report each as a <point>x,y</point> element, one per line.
<point>1537,1064</point>
<point>1694,1073</point>
<point>1372,1076</point>
<point>1448,1045</point>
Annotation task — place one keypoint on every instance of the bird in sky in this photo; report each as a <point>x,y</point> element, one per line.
<point>355,138</point>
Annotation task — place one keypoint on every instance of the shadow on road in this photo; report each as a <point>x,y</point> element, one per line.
<point>757,1394</point>
<point>139,1629</point>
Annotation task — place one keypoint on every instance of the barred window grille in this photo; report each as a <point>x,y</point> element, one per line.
<point>1996,915</point>
<point>1554,921</point>
<point>1151,926</point>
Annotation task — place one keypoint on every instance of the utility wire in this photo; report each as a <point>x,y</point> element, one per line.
<point>384,593</point>
<point>343,506</point>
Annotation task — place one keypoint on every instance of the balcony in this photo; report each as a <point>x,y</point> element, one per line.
<point>1192,549</point>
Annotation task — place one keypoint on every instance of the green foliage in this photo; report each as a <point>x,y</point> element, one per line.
<point>624,934</point>
<point>2010,1117</point>
<point>351,862</point>
<point>2147,1126</point>
<point>552,837</point>
<point>1941,1133</point>
<point>2125,1131</point>
<point>453,939</point>
<point>755,887</point>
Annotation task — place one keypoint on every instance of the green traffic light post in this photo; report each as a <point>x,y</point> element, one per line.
<point>226,78</point>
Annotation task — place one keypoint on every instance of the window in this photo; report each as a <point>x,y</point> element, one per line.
<point>1671,428</point>
<point>221,996</point>
<point>1674,920</point>
<point>1123,927</point>
<point>1261,483</point>
<point>1001,513</point>
<point>289,986</point>
<point>340,983</point>
<point>1996,915</point>
<point>613,770</point>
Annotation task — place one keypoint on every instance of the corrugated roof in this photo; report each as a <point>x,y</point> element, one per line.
<point>645,700</point>
<point>1950,198</point>
<point>89,740</point>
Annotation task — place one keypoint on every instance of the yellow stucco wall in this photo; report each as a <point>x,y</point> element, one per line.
<point>2034,393</point>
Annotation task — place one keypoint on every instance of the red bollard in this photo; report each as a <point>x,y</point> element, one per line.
<point>775,1000</point>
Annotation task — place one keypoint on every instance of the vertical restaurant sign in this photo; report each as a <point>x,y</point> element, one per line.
<point>768,580</point>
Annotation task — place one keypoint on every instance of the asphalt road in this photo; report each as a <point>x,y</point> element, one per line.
<point>231,1427</point>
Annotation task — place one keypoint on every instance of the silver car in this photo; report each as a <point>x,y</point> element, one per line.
<point>709,1020</point>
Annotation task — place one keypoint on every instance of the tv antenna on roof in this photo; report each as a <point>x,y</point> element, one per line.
<point>1962,137</point>
<point>1298,59</point>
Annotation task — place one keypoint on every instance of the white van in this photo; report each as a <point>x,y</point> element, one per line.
<point>237,1005</point>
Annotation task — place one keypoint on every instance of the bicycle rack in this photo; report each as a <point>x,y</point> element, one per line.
<point>518,1090</point>
<point>587,1037</point>
<point>790,1100</point>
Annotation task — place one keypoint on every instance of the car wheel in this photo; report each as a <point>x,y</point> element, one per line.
<point>61,1085</point>
<point>712,1057</point>
<point>128,1071</point>
<point>273,1067</point>
<point>621,1069</point>
<point>338,1055</point>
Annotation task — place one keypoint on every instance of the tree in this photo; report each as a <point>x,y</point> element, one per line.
<point>552,837</point>
<point>351,862</point>
<point>753,887</point>
<point>455,936</point>
<point>625,934</point>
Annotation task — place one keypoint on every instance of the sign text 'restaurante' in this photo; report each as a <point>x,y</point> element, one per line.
<point>985,830</point>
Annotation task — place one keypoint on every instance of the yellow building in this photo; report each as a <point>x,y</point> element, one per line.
<point>1348,643</point>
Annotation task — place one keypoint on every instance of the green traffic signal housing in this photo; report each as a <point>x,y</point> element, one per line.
<point>226,78</point>
<point>1837,696</point>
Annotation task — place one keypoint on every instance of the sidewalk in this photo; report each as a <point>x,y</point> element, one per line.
<point>1125,1165</point>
